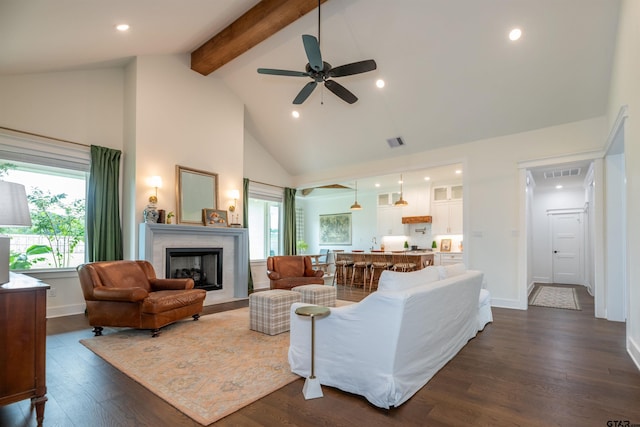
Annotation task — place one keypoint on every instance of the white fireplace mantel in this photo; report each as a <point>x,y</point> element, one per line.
<point>154,239</point>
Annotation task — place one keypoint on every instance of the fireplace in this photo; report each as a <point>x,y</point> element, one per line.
<point>203,265</point>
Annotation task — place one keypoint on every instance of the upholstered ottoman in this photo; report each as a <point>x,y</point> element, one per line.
<point>269,311</point>
<point>317,294</point>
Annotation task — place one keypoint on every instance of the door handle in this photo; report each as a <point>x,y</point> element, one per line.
<point>555,252</point>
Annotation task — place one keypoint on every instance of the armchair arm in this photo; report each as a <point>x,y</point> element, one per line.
<point>104,293</point>
<point>274,275</point>
<point>171,284</point>
<point>313,273</point>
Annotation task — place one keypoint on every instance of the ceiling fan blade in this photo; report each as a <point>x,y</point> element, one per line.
<point>282,72</point>
<point>353,68</point>
<point>312,48</point>
<point>305,92</point>
<point>340,91</point>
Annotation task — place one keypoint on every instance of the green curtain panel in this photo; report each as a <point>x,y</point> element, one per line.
<point>104,233</point>
<point>289,235</point>
<point>245,222</point>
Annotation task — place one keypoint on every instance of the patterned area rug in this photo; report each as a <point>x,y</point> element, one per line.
<point>206,369</point>
<point>556,297</point>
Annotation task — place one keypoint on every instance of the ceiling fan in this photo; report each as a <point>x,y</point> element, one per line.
<point>321,72</point>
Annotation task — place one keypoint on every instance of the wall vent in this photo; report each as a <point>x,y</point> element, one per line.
<point>395,142</point>
<point>562,172</point>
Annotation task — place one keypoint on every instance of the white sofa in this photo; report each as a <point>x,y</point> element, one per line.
<point>390,344</point>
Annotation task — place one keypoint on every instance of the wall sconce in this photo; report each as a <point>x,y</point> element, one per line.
<point>155,182</point>
<point>14,212</point>
<point>235,195</point>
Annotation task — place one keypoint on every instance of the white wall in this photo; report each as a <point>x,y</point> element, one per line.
<point>79,106</point>
<point>615,238</point>
<point>625,90</point>
<point>184,118</point>
<point>363,222</point>
<point>260,166</point>
<point>492,193</point>
<point>543,200</point>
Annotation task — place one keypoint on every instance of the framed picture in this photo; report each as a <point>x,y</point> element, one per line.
<point>335,229</point>
<point>214,218</point>
<point>445,245</point>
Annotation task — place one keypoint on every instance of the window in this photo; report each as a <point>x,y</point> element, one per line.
<point>55,180</point>
<point>265,221</point>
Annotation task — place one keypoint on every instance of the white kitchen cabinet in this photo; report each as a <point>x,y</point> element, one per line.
<point>390,221</point>
<point>388,199</point>
<point>446,209</point>
<point>447,193</point>
<point>447,218</point>
<point>447,258</point>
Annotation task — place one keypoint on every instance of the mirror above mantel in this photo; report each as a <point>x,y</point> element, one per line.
<point>195,190</point>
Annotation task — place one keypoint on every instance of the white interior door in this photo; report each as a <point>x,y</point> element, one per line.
<point>567,238</point>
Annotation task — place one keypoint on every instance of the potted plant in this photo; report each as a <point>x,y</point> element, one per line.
<point>302,246</point>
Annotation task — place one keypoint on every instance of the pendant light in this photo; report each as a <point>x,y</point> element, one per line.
<point>401,202</point>
<point>356,206</point>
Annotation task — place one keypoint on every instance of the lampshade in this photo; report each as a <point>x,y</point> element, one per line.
<point>14,208</point>
<point>155,181</point>
<point>401,201</point>
<point>234,194</point>
<point>14,211</point>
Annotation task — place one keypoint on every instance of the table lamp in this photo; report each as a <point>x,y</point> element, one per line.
<point>14,211</point>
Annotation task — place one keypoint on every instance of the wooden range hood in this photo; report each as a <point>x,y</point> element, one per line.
<point>416,219</point>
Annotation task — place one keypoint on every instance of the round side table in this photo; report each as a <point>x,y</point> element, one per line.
<point>312,388</point>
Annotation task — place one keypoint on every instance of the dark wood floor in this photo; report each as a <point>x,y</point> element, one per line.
<point>538,367</point>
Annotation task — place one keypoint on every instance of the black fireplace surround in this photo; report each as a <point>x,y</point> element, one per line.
<point>203,265</point>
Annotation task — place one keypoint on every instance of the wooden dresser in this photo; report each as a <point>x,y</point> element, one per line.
<point>23,334</point>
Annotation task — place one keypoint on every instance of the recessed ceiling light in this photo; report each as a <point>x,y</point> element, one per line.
<point>458,172</point>
<point>515,34</point>
<point>295,114</point>
<point>377,184</point>
<point>380,83</point>
<point>558,187</point>
<point>122,27</point>
<point>426,178</point>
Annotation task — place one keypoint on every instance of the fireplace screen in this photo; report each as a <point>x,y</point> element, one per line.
<point>203,265</point>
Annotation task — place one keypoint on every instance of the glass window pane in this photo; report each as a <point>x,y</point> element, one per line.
<point>57,207</point>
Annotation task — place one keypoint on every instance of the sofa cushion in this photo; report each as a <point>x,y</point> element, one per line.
<point>400,281</point>
<point>446,271</point>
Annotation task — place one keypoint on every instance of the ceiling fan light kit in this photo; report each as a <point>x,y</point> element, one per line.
<point>321,72</point>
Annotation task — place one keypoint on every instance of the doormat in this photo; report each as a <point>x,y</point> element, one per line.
<point>556,297</point>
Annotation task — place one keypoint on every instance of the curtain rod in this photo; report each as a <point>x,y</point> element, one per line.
<point>264,183</point>
<point>44,136</point>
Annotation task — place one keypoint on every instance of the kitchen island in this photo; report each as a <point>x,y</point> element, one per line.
<point>420,259</point>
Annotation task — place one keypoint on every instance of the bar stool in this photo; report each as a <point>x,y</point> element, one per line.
<point>383,263</point>
<point>401,262</point>
<point>341,266</point>
<point>360,261</point>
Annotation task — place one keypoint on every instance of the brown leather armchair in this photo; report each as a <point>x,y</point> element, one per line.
<point>128,294</point>
<point>289,271</point>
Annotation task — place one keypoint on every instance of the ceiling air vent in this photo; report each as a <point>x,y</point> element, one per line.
<point>395,142</point>
<point>562,172</point>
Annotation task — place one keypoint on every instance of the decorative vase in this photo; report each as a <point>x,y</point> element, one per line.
<point>150,214</point>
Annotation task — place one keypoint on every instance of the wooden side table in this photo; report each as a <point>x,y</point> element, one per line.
<point>23,335</point>
<point>312,388</point>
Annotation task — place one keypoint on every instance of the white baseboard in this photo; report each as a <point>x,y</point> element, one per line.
<point>539,279</point>
<point>530,288</point>
<point>634,351</point>
<point>65,310</point>
<point>507,303</point>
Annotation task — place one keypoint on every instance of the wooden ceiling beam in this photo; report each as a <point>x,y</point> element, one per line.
<point>259,23</point>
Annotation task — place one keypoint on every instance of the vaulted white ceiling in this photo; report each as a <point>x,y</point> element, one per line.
<point>452,75</point>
